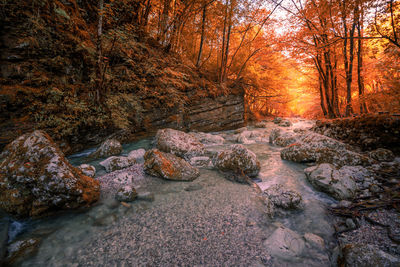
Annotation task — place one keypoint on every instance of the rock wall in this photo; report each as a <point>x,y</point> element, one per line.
<point>208,114</point>
<point>369,131</point>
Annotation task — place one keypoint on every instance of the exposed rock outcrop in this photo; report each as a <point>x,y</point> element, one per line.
<point>285,244</point>
<point>126,193</point>
<point>35,178</point>
<point>238,159</point>
<point>283,198</point>
<point>169,166</point>
<point>370,131</point>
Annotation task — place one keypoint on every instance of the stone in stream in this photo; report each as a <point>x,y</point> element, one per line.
<point>115,163</point>
<point>238,159</point>
<point>208,139</point>
<point>277,120</point>
<point>137,155</point>
<point>361,255</point>
<point>285,244</point>
<point>283,198</point>
<point>326,178</point>
<point>20,250</point>
<point>178,143</point>
<point>87,170</point>
<point>382,154</point>
<point>110,147</point>
<point>201,162</point>
<point>312,147</point>
<point>285,123</point>
<point>169,166</point>
<point>36,178</point>
<point>126,193</point>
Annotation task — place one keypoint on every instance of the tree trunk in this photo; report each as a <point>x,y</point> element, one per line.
<point>360,78</point>
<point>99,50</point>
<point>202,33</point>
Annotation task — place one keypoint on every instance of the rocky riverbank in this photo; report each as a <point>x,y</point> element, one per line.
<point>186,200</point>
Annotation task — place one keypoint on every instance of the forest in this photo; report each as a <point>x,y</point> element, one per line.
<point>200,133</point>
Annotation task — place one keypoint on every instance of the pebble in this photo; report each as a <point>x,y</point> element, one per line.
<point>350,223</point>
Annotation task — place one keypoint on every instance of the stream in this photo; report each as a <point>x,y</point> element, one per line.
<point>208,222</point>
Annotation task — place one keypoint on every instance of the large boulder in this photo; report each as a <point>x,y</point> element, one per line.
<point>238,159</point>
<point>169,166</point>
<point>117,163</point>
<point>326,178</point>
<point>110,147</point>
<point>178,143</point>
<point>312,147</point>
<point>360,255</point>
<point>36,178</point>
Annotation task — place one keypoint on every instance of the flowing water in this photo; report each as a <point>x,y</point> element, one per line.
<point>208,222</point>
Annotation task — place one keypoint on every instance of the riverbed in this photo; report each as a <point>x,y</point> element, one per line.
<point>211,221</point>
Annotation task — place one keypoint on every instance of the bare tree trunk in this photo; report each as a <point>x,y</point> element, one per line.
<point>363,105</point>
<point>99,50</point>
<point>203,26</point>
<point>223,42</point>
<point>164,21</point>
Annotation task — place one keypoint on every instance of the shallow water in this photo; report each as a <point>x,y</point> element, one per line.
<point>210,221</point>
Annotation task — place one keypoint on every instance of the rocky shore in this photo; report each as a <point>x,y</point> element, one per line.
<point>284,216</point>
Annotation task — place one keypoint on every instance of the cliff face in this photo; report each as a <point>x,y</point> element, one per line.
<point>48,80</point>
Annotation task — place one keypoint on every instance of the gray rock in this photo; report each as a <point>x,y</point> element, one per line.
<point>285,123</point>
<point>277,120</point>
<point>285,244</point>
<point>208,139</point>
<point>326,178</point>
<point>110,147</point>
<point>20,250</point>
<point>115,163</point>
<point>178,143</point>
<point>238,159</point>
<point>350,223</point>
<point>137,155</point>
<point>126,194</point>
<point>362,255</point>
<point>314,240</point>
<point>283,198</point>
<point>88,170</point>
<point>169,166</point>
<point>201,162</point>
<point>382,154</point>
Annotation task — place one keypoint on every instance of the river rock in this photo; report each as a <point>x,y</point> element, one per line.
<point>277,120</point>
<point>88,170</point>
<point>117,163</point>
<point>169,166</point>
<point>137,155</point>
<point>314,240</point>
<point>126,193</point>
<point>361,255</point>
<point>285,244</point>
<point>283,198</point>
<point>201,162</point>
<point>110,147</point>
<point>238,158</point>
<point>178,143</point>
<point>208,139</point>
<point>285,123</point>
<point>36,178</point>
<point>4,227</point>
<point>382,154</point>
<point>20,250</point>
<point>326,178</point>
